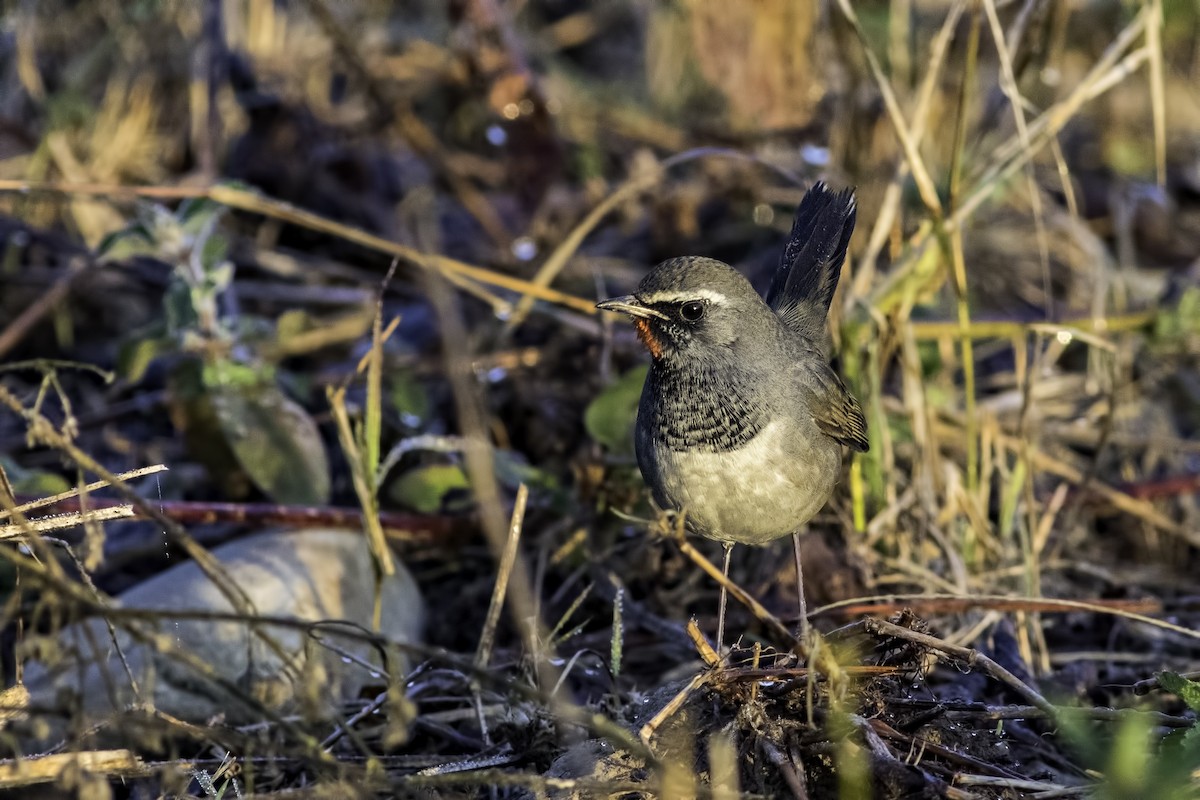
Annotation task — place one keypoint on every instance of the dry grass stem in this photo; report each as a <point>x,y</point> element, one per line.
<point>487,639</point>
<point>91,487</point>
<point>68,520</point>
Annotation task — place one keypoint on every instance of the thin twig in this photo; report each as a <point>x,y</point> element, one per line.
<point>948,603</point>
<point>46,302</point>
<point>969,655</point>
<point>399,527</point>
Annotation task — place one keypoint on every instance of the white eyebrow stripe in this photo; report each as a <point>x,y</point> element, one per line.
<point>674,297</point>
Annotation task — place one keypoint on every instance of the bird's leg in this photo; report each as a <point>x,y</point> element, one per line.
<point>721,609</point>
<point>803,631</point>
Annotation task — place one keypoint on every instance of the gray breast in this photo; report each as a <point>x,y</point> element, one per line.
<point>752,494</point>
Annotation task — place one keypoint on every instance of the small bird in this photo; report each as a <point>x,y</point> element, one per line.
<point>742,420</point>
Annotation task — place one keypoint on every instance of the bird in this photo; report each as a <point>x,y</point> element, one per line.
<point>742,421</point>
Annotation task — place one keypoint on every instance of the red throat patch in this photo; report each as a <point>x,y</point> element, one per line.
<point>647,337</point>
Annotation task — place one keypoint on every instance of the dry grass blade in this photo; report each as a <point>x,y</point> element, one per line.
<point>1158,101</point>
<point>558,259</point>
<point>1008,84</point>
<point>958,603</point>
<point>952,249</point>
<point>723,761</point>
<point>1108,71</point>
<point>647,731</point>
<point>1137,507</point>
<point>889,208</point>
<point>91,487</point>
<point>920,173</point>
<point>479,458</point>
<point>708,654</point>
<point>1084,327</point>
<point>17,329</point>
<point>487,638</point>
<point>68,520</point>
<point>111,763</point>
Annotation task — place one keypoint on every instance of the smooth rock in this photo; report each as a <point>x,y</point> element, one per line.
<point>307,575</point>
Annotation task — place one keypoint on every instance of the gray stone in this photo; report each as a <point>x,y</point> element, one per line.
<point>307,575</point>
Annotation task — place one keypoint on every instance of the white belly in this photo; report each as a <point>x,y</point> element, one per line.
<point>753,495</point>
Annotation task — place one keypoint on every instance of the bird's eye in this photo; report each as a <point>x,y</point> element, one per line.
<point>692,310</point>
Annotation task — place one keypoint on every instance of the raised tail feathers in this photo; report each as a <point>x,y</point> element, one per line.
<point>808,272</point>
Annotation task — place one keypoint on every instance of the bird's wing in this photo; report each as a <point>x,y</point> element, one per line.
<point>833,408</point>
<point>807,276</point>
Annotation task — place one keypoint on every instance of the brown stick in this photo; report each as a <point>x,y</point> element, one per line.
<point>970,656</point>
<point>12,335</point>
<point>399,527</point>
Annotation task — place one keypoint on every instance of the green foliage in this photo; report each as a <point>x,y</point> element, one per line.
<point>33,482</point>
<point>274,440</point>
<point>1188,690</point>
<point>137,354</point>
<point>131,242</point>
<point>617,643</point>
<point>1181,324</point>
<point>237,399</point>
<point>431,489</point>
<point>1133,762</point>
<point>1189,693</point>
<point>610,417</point>
<point>512,470</point>
<point>408,397</point>
<point>560,634</point>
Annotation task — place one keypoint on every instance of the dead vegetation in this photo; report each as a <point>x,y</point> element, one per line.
<point>334,265</point>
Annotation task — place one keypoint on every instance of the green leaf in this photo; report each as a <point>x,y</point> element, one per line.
<point>178,307</point>
<point>125,244</point>
<point>930,355</point>
<point>611,416</point>
<point>1183,320</point>
<point>431,489</point>
<point>196,214</point>
<point>33,482</point>
<point>1129,761</point>
<point>513,469</point>
<point>408,397</point>
<point>1188,690</point>
<point>225,373</point>
<point>274,440</point>
<point>136,356</point>
<point>1190,745</point>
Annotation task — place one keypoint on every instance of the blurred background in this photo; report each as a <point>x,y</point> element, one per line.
<point>201,200</point>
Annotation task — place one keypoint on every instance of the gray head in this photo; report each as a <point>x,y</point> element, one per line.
<point>688,306</point>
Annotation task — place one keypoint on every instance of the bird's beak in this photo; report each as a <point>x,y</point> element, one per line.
<point>629,305</point>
